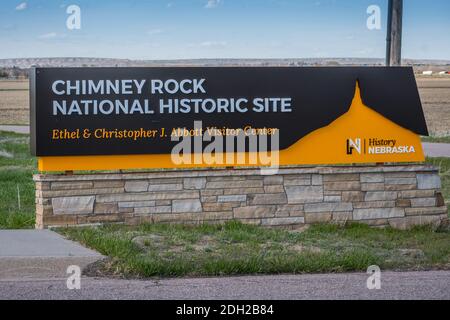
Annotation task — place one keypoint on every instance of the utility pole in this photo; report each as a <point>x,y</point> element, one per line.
<point>394,33</point>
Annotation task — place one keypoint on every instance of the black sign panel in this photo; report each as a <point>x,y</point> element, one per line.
<point>120,103</point>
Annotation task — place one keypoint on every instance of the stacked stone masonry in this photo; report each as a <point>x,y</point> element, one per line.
<point>397,196</point>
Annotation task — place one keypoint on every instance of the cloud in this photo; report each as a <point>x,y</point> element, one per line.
<point>170,5</point>
<point>49,35</point>
<point>276,44</point>
<point>211,4</point>
<point>154,31</point>
<point>21,6</point>
<point>9,27</point>
<point>213,44</point>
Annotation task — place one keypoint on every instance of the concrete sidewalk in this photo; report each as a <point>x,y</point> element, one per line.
<point>40,254</point>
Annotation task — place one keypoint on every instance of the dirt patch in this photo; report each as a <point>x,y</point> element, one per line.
<point>411,253</point>
<point>144,242</point>
<point>302,248</point>
<point>435,97</point>
<point>155,241</point>
<point>14,102</point>
<point>14,84</point>
<point>434,93</point>
<point>205,243</point>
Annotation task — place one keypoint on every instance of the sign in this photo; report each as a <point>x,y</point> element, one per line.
<point>165,117</point>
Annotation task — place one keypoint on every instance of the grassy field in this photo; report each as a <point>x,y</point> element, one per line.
<point>234,248</point>
<point>444,171</point>
<point>436,139</point>
<point>16,184</point>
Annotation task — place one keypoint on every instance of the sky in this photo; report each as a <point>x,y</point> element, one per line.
<point>195,29</point>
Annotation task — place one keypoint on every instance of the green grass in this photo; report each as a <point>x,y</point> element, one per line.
<point>234,248</point>
<point>16,170</point>
<point>444,171</point>
<point>445,139</point>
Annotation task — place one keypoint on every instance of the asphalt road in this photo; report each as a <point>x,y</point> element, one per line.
<point>394,285</point>
<point>16,129</point>
<point>436,149</point>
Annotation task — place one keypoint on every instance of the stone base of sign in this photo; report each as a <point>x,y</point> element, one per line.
<point>388,195</point>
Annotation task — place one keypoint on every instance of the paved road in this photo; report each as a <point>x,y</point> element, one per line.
<point>16,129</point>
<point>436,149</point>
<point>33,265</point>
<point>394,285</point>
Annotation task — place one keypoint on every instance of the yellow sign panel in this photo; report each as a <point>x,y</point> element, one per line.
<point>361,135</point>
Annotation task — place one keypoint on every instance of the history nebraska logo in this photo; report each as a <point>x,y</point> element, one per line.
<point>377,146</point>
<point>353,144</point>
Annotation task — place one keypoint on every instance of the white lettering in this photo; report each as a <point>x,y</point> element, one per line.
<point>54,89</point>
